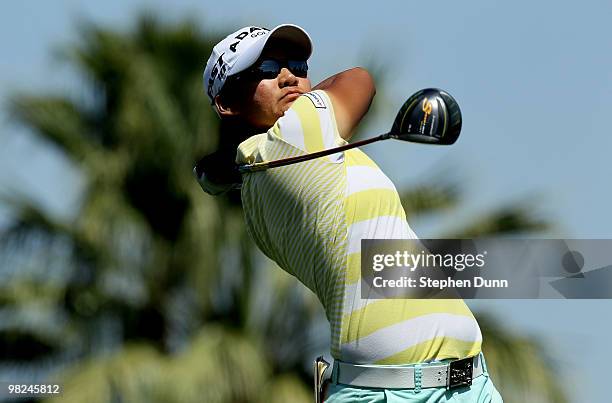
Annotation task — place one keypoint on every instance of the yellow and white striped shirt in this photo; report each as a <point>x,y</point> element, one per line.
<point>310,218</point>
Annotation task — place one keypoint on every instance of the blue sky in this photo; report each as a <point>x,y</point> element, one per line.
<point>533,79</point>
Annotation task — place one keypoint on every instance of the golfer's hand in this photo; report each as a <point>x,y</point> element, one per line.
<point>216,173</point>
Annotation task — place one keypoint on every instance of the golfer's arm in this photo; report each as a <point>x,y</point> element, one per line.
<point>351,93</point>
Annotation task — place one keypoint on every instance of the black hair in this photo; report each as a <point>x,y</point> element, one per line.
<point>233,92</point>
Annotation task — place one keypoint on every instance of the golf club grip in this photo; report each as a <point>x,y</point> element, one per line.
<point>262,166</point>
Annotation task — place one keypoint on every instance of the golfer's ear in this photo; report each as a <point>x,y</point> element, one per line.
<point>225,108</point>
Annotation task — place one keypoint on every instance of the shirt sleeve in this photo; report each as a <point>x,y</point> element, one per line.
<point>310,125</point>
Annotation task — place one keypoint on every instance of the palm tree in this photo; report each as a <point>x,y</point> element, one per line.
<point>146,292</point>
<point>154,292</point>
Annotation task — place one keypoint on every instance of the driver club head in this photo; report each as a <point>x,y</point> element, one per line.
<point>429,116</point>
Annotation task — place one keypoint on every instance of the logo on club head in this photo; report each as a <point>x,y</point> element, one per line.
<point>427,107</point>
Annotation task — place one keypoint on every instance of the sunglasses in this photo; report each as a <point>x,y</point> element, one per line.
<point>270,68</point>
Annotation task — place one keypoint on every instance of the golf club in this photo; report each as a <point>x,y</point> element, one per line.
<point>430,116</point>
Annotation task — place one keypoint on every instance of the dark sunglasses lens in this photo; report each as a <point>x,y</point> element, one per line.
<point>298,67</point>
<point>269,69</point>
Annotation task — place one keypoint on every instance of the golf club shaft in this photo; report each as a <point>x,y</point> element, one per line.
<point>261,166</point>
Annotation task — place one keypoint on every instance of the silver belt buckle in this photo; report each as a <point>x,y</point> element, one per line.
<point>460,373</point>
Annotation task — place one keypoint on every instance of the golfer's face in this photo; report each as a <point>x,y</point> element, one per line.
<point>269,99</point>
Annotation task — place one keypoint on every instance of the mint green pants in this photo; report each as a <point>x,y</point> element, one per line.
<point>482,390</point>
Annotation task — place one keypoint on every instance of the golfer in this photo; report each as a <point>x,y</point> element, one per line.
<point>311,217</point>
